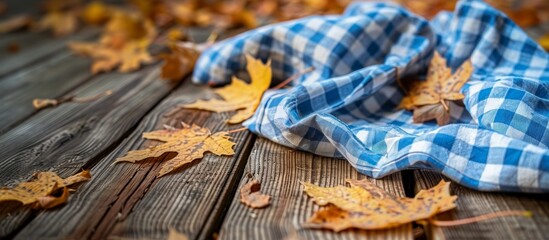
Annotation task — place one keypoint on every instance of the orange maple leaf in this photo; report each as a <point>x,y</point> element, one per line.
<point>429,99</point>
<point>179,62</point>
<point>240,95</point>
<point>366,206</point>
<point>60,23</point>
<point>123,44</point>
<point>190,143</point>
<point>38,191</point>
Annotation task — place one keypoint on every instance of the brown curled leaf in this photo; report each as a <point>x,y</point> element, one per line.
<point>251,197</point>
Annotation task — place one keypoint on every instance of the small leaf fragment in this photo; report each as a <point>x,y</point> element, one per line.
<point>39,103</point>
<point>251,197</point>
<point>175,235</point>
<point>190,143</point>
<point>240,95</point>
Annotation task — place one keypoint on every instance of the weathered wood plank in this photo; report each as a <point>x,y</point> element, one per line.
<point>131,200</point>
<point>37,47</point>
<point>280,169</point>
<point>70,136</point>
<point>15,7</point>
<point>473,203</point>
<point>51,79</point>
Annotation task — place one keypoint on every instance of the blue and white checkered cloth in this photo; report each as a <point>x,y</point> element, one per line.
<point>346,108</point>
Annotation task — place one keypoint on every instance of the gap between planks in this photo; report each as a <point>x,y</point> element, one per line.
<point>119,196</point>
<point>73,135</point>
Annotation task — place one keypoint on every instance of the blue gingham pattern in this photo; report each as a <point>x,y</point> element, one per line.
<point>346,107</point>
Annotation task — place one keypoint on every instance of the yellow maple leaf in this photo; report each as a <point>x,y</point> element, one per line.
<point>366,206</point>
<point>41,187</point>
<point>127,59</point>
<point>126,27</point>
<point>60,23</point>
<point>429,98</point>
<point>190,143</point>
<point>240,95</point>
<point>123,44</point>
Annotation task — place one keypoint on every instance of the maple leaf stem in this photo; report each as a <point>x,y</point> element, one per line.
<point>92,98</point>
<point>213,36</point>
<point>293,77</point>
<point>444,105</point>
<point>237,130</point>
<point>483,217</point>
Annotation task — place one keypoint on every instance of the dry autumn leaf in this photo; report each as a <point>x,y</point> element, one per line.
<point>240,95</point>
<point>15,23</point>
<point>60,23</point>
<point>52,201</point>
<point>40,103</point>
<point>366,206</point>
<point>38,191</point>
<point>176,35</point>
<point>190,143</point>
<point>544,41</point>
<point>124,44</point>
<point>429,99</point>
<point>251,197</point>
<point>175,235</point>
<point>179,62</point>
<point>95,13</point>
<point>127,59</point>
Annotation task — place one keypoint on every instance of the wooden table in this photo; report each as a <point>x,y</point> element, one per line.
<point>127,201</point>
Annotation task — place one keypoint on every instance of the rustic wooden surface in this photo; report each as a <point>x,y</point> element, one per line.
<point>473,203</point>
<point>127,201</point>
<point>280,171</point>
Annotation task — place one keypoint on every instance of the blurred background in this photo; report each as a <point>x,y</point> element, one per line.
<point>62,18</point>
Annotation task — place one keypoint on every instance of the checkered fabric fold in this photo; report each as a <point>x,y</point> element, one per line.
<point>347,107</point>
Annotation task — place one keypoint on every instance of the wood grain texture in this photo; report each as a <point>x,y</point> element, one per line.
<point>127,201</point>
<point>473,203</point>
<point>18,91</point>
<point>37,47</point>
<point>68,137</point>
<point>280,169</point>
